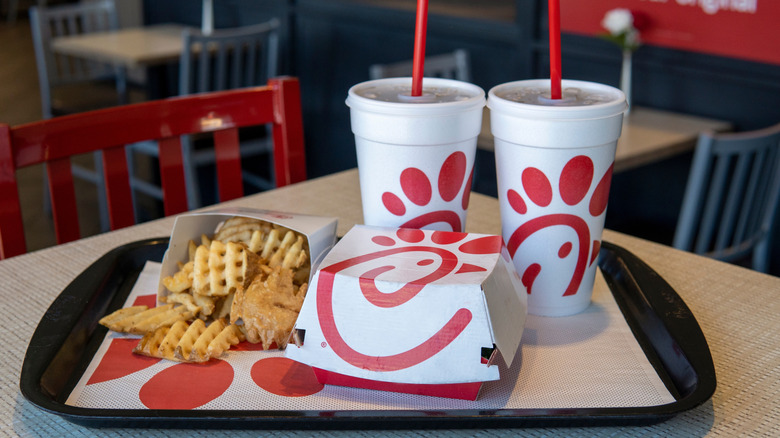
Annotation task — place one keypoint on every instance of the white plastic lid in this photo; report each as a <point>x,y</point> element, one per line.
<point>398,101</point>
<point>614,101</point>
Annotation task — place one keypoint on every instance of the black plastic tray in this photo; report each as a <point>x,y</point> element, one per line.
<point>69,334</point>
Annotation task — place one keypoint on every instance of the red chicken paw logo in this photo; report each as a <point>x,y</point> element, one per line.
<point>418,195</point>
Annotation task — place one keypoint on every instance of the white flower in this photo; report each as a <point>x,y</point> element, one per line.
<point>632,38</point>
<point>618,21</point>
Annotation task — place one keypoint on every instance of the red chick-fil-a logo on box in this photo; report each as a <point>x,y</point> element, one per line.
<point>433,257</point>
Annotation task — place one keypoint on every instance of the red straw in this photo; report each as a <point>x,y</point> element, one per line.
<point>554,16</point>
<point>419,47</point>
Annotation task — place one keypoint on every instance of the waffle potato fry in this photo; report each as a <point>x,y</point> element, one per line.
<point>200,349</point>
<point>168,346</point>
<point>221,269</point>
<point>112,321</point>
<point>186,342</point>
<point>293,257</point>
<point>191,247</point>
<point>140,320</point>
<point>256,242</point>
<point>271,243</point>
<point>241,229</point>
<point>188,301</point>
<point>149,345</point>
<point>229,336</point>
<point>166,316</point>
<point>180,281</point>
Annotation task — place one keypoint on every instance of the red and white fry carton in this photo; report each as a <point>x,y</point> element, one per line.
<point>319,231</point>
<point>415,311</point>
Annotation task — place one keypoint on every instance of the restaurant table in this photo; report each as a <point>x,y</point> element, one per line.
<point>738,311</point>
<point>153,48</point>
<point>648,135</point>
<point>129,47</point>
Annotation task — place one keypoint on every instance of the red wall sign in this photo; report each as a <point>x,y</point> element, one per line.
<point>746,29</point>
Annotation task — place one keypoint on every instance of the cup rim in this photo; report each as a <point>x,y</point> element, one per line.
<point>357,102</point>
<point>612,108</point>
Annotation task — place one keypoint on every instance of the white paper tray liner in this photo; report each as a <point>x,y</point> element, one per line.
<point>589,360</point>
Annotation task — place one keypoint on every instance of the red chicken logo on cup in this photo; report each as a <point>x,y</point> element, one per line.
<point>419,191</point>
<point>577,191</point>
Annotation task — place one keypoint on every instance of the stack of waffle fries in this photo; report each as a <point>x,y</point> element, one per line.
<point>246,282</point>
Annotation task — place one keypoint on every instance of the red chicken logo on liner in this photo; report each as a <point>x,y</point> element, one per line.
<point>172,387</point>
<point>574,185</point>
<point>440,263</point>
<point>418,190</point>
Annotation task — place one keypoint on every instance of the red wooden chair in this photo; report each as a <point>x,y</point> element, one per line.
<point>54,141</point>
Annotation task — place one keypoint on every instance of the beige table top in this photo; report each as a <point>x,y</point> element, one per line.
<point>737,309</point>
<point>648,135</point>
<point>131,47</point>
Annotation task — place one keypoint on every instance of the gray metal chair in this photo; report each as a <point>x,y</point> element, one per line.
<point>68,84</point>
<point>13,10</point>
<point>453,65</point>
<point>57,71</point>
<point>732,196</point>
<point>225,59</point>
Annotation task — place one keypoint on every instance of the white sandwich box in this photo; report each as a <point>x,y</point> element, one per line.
<point>414,311</point>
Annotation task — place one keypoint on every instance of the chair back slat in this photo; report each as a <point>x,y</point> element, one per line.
<point>758,195</point>
<point>769,173</point>
<point>734,188</point>
<point>219,114</point>
<point>172,176</point>
<point>62,65</point>
<point>222,67</point>
<point>204,66</point>
<point>63,200</point>
<point>733,204</point>
<point>118,194</point>
<point>228,159</point>
<point>747,212</point>
<point>289,153</point>
<point>11,225</point>
<point>690,211</point>
<point>712,205</point>
<point>250,70</point>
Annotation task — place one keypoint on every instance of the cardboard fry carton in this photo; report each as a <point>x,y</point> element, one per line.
<point>319,231</point>
<point>407,310</point>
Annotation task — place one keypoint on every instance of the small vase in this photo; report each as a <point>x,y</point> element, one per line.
<point>625,78</point>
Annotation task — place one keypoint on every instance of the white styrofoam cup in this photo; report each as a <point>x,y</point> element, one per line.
<point>416,159</point>
<point>554,168</point>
